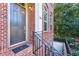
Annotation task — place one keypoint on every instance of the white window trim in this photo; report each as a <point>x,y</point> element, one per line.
<point>46,22</point>
<point>8,20</point>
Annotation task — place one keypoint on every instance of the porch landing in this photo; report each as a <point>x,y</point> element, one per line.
<point>26,52</point>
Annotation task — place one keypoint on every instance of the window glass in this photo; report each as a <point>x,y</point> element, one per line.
<point>51,22</point>
<point>45,20</point>
<point>45,26</point>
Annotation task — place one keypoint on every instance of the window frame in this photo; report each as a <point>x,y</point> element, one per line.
<point>51,21</point>
<point>46,21</point>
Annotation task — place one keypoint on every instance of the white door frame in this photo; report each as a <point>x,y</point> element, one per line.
<point>38,17</point>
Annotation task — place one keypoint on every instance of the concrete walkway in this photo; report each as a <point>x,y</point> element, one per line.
<point>60,47</point>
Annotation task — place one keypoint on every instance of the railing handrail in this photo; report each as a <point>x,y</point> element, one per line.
<point>44,41</point>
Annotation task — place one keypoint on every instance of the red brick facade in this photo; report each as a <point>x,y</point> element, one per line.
<point>3,27</point>
<point>3,30</point>
<point>31,23</point>
<point>49,34</point>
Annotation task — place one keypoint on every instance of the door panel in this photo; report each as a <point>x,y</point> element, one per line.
<point>17,24</point>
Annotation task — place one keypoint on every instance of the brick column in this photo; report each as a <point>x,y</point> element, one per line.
<point>3,29</point>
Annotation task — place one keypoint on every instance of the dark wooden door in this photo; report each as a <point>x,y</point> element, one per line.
<point>17,24</point>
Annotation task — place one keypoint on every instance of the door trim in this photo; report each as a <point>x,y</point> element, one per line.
<point>38,15</point>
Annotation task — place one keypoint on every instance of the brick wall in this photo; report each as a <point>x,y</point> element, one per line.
<point>31,23</point>
<point>3,28</point>
<point>49,34</point>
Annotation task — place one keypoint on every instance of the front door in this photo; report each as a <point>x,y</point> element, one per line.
<point>17,24</point>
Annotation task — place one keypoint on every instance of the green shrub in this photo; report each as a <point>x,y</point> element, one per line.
<point>70,39</point>
<point>62,39</point>
<point>76,53</point>
<point>59,38</point>
<point>77,47</point>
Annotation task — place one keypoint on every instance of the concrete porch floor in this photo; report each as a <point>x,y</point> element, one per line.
<point>26,52</point>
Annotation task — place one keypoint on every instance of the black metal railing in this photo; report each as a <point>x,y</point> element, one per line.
<point>42,48</point>
<point>69,53</point>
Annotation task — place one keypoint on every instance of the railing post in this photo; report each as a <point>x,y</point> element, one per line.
<point>68,47</point>
<point>36,45</point>
<point>48,51</point>
<point>42,44</point>
<point>45,51</point>
<point>33,42</point>
<point>39,46</point>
